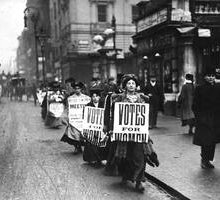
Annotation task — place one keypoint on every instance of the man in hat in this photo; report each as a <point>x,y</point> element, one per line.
<point>156,95</point>
<point>204,105</point>
<point>75,104</point>
<point>68,86</point>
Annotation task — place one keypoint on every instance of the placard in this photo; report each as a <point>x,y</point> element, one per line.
<point>93,122</point>
<point>56,108</point>
<point>75,110</point>
<point>131,121</point>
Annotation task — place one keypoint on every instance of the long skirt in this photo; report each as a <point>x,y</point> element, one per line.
<point>53,122</point>
<point>72,136</point>
<point>93,153</point>
<point>132,166</point>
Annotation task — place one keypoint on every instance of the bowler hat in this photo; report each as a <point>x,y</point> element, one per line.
<point>189,77</point>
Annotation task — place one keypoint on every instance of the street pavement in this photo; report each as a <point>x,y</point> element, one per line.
<point>180,162</point>
<point>35,165</point>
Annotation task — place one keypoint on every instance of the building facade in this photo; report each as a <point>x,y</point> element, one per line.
<point>74,24</point>
<point>32,51</point>
<point>175,37</point>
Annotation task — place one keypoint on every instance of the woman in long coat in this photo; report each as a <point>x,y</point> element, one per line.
<point>204,105</point>
<point>185,103</point>
<point>130,156</point>
<point>92,153</point>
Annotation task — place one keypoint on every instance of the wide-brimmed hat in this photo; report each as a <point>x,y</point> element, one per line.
<point>97,91</point>
<point>70,80</point>
<point>209,71</point>
<point>54,84</point>
<point>78,84</point>
<point>128,77</point>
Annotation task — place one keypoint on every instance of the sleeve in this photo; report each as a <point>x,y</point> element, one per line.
<point>196,102</point>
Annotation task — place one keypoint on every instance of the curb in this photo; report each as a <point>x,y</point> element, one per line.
<point>174,193</point>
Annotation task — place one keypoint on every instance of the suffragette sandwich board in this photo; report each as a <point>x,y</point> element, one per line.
<point>75,110</point>
<point>93,122</point>
<point>131,121</point>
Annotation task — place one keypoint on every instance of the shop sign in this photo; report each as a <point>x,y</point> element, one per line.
<point>202,32</point>
<point>207,7</point>
<point>158,41</point>
<point>152,20</point>
<point>181,15</point>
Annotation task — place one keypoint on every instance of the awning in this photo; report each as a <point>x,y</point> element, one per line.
<point>186,29</point>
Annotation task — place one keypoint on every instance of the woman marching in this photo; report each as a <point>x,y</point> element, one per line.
<point>94,154</point>
<point>130,156</point>
<point>76,103</point>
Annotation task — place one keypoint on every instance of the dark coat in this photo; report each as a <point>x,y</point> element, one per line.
<point>157,98</point>
<point>185,101</point>
<point>91,152</point>
<point>217,113</point>
<point>204,105</point>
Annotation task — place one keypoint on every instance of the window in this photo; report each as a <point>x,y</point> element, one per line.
<point>134,12</point>
<point>102,13</point>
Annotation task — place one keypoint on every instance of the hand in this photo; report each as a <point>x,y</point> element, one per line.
<point>105,139</point>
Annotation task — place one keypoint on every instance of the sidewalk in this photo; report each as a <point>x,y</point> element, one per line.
<point>180,162</point>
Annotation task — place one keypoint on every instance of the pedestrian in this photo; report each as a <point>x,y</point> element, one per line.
<point>68,86</point>
<point>92,153</point>
<point>156,95</point>
<point>204,105</point>
<point>129,156</point>
<point>55,104</point>
<point>185,103</point>
<point>75,104</point>
<point>110,86</point>
<point>34,93</point>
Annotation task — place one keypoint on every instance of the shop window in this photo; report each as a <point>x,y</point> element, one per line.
<point>168,88</point>
<point>134,12</point>
<point>102,13</point>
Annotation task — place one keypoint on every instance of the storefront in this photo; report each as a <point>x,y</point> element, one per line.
<point>172,41</point>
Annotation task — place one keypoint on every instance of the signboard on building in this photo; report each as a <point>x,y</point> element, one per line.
<point>204,32</point>
<point>152,20</point>
<point>181,15</point>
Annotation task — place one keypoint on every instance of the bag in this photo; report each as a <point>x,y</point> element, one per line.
<point>151,156</point>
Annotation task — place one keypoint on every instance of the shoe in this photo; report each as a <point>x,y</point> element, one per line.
<point>139,187</point>
<point>207,165</point>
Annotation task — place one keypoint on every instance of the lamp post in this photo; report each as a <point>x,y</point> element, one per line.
<point>34,18</point>
<point>43,38</point>
<point>113,25</point>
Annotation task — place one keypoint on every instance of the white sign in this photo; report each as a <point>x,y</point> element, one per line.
<point>131,122</point>
<point>152,20</point>
<point>202,32</point>
<point>93,122</point>
<point>56,109</point>
<point>75,110</point>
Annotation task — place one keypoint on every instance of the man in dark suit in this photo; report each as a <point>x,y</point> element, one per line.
<point>156,95</point>
<point>204,105</point>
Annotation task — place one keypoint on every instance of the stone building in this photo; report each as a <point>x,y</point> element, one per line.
<point>74,24</point>
<point>175,37</point>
